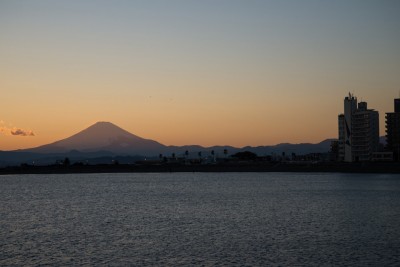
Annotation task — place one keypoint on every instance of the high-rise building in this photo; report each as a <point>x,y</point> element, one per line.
<point>397,105</point>
<point>358,131</point>
<point>393,130</point>
<point>341,139</point>
<point>345,131</point>
<point>365,125</point>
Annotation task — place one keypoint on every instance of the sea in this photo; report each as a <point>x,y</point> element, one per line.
<point>200,219</point>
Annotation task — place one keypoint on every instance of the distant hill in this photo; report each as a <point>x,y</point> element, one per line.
<point>104,141</point>
<point>299,149</point>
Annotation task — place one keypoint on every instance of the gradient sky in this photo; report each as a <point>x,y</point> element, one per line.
<point>194,72</point>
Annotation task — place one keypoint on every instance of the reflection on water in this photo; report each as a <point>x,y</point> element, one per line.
<point>200,219</point>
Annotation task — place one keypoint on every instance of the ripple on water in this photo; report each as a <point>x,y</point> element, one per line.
<point>245,219</point>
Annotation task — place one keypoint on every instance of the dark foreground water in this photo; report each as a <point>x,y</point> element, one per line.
<point>262,219</point>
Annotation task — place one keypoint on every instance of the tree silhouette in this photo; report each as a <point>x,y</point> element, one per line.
<point>66,161</point>
<point>245,155</point>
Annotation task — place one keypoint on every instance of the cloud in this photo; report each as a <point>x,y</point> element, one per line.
<point>4,130</point>
<point>14,131</point>
<point>22,132</point>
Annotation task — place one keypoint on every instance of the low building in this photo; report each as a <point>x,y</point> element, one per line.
<point>382,156</point>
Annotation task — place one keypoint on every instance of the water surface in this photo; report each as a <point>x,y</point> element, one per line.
<point>200,219</point>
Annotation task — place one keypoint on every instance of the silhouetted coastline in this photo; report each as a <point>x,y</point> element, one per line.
<point>375,167</point>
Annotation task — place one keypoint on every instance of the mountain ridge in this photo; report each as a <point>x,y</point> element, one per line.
<point>105,139</point>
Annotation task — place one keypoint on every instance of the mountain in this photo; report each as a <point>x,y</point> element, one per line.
<point>104,141</point>
<point>103,136</point>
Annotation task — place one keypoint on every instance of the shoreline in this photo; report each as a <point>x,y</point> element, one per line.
<point>364,167</point>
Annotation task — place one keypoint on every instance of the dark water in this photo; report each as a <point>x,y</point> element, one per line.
<point>254,219</point>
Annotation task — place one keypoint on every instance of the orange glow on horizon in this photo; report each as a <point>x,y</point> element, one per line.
<point>256,74</point>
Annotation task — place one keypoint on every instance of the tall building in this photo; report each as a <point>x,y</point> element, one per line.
<point>358,131</point>
<point>341,139</point>
<point>397,105</point>
<point>365,125</point>
<point>393,130</point>
<point>345,131</point>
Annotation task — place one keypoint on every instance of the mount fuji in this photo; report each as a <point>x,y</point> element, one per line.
<point>104,140</point>
<point>103,136</point>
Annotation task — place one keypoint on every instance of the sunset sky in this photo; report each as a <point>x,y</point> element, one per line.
<point>194,72</point>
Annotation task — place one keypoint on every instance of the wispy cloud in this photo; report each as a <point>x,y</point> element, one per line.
<point>14,130</point>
